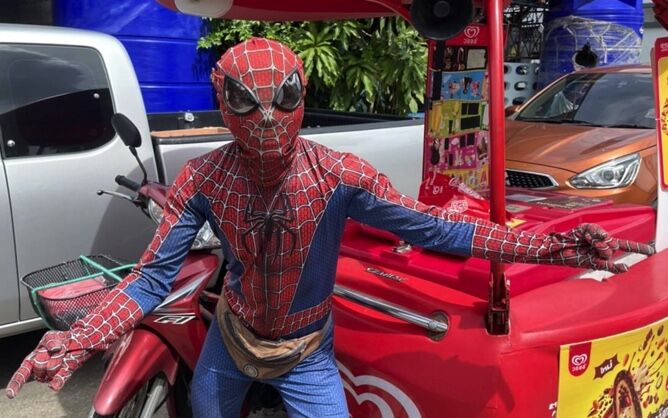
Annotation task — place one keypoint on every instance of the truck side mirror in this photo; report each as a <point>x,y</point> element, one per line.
<point>126,130</point>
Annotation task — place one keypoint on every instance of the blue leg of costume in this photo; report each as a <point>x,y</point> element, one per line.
<point>312,389</point>
<point>218,387</point>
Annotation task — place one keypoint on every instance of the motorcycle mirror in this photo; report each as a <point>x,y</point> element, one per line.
<point>126,130</point>
<point>130,136</point>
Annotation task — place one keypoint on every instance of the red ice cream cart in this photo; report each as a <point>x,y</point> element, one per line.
<point>421,334</point>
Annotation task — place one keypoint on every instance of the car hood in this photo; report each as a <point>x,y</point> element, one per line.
<point>572,147</point>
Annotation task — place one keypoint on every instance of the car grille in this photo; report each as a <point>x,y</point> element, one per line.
<point>529,180</point>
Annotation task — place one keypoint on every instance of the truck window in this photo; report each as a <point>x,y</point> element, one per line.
<point>53,100</point>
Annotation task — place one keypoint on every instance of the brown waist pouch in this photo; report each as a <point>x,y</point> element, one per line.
<point>259,358</point>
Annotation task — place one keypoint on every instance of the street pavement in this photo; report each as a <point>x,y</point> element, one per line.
<point>37,400</point>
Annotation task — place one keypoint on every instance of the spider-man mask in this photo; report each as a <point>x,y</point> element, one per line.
<point>260,85</point>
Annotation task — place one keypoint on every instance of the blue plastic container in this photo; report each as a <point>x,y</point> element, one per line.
<point>612,28</point>
<point>625,12</point>
<point>173,74</point>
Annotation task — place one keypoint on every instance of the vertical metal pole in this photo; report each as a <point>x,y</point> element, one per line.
<point>427,104</point>
<point>497,317</point>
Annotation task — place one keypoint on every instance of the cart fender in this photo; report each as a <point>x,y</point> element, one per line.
<point>139,356</point>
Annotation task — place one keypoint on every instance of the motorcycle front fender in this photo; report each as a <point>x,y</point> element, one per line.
<point>139,356</point>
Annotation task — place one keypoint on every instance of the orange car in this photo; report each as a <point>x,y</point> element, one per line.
<point>590,133</point>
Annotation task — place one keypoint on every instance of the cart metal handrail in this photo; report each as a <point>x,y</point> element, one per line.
<point>430,324</point>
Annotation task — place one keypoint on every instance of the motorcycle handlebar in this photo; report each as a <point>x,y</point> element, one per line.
<point>126,182</point>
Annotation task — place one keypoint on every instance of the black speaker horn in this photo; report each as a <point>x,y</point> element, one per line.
<point>441,19</point>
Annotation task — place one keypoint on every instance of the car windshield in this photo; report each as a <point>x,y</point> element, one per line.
<point>622,100</point>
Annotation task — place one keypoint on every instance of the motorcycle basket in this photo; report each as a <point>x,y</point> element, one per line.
<point>66,292</point>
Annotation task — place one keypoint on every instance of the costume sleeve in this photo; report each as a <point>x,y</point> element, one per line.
<point>373,201</point>
<point>152,278</point>
<point>185,212</point>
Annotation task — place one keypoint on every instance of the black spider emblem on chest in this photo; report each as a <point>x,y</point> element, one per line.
<point>269,223</point>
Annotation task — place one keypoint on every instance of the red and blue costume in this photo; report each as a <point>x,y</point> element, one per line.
<point>279,203</point>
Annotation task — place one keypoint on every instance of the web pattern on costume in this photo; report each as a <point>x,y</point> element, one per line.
<point>270,277</point>
<point>182,191</point>
<point>266,134</point>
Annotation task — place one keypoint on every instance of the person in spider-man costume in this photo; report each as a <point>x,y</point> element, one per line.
<point>278,203</point>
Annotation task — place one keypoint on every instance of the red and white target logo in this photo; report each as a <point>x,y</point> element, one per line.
<point>472,32</point>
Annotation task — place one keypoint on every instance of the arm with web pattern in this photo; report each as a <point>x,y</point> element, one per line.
<point>373,200</point>
<point>60,353</point>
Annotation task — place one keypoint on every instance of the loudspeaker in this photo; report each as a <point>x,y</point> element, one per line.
<point>441,19</point>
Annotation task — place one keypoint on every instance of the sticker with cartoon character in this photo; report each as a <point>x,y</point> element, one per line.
<point>463,85</point>
<point>464,157</point>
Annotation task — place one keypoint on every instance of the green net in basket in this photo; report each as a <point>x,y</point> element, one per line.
<point>65,293</point>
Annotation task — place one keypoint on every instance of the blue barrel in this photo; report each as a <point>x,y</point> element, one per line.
<point>580,33</point>
<point>172,73</point>
<point>625,12</point>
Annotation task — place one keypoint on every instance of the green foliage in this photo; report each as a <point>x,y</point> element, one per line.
<point>374,65</point>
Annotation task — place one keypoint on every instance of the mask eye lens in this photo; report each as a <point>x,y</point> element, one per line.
<point>289,95</point>
<point>237,97</point>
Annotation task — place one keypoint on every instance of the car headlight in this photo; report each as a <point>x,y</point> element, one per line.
<point>619,172</point>
<point>205,239</point>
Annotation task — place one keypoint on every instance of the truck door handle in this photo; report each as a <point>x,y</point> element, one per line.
<point>430,324</point>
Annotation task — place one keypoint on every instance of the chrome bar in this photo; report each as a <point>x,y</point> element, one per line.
<point>432,325</point>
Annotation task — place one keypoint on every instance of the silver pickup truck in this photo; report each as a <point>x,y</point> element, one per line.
<point>58,90</point>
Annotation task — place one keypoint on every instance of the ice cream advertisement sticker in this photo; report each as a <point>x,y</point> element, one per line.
<point>624,375</point>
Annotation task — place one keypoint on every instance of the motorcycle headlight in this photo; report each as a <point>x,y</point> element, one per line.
<point>155,211</point>
<point>619,172</point>
<point>205,239</point>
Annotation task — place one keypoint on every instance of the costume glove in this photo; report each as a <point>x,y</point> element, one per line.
<point>60,353</point>
<point>586,246</point>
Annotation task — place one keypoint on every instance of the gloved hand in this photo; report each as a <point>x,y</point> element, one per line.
<point>56,357</point>
<point>586,246</point>
<point>590,246</point>
<point>60,353</point>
